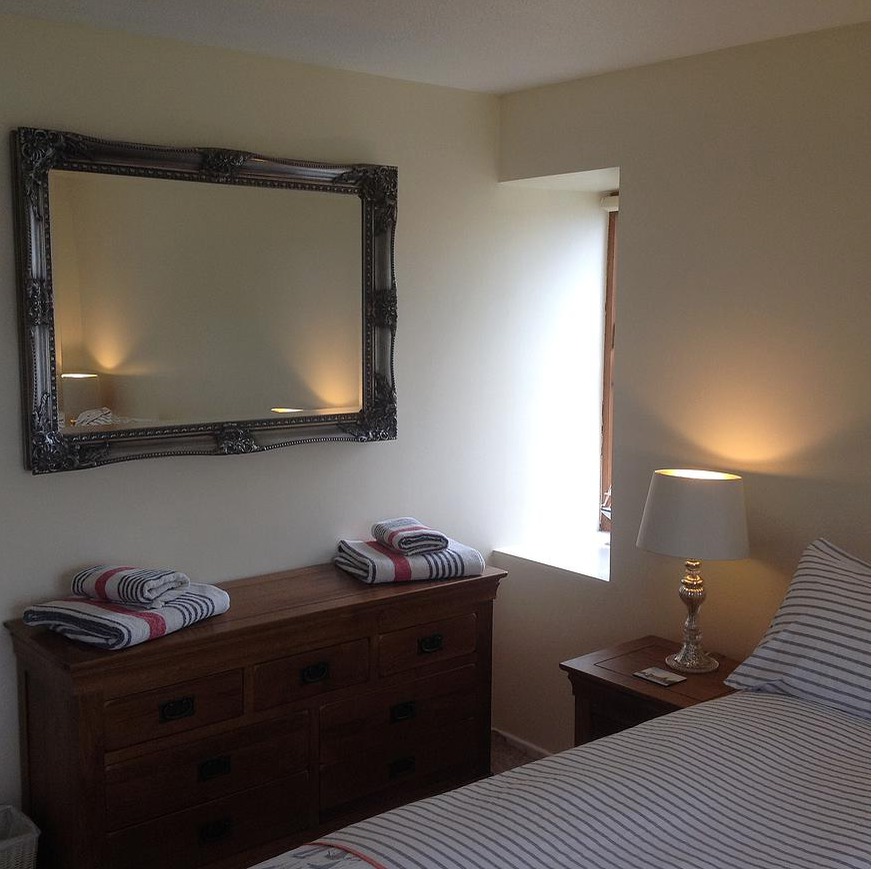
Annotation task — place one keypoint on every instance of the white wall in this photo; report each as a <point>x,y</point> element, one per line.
<point>469,253</point>
<point>743,321</point>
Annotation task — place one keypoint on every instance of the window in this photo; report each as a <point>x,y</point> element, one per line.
<point>559,475</point>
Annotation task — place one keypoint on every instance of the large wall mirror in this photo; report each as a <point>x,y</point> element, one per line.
<point>199,300</point>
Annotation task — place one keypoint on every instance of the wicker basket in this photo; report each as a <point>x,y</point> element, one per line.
<point>18,835</point>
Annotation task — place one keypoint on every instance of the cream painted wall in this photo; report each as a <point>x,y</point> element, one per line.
<point>471,260</point>
<point>743,311</point>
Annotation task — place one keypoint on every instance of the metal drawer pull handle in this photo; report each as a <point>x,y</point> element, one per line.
<point>214,767</point>
<point>431,643</point>
<point>315,673</point>
<point>173,710</point>
<point>402,711</point>
<point>215,831</point>
<point>401,766</point>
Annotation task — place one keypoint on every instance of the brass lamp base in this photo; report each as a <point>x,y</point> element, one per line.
<point>692,658</point>
<point>683,663</point>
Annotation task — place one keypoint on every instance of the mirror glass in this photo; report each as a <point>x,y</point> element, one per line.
<point>179,302</point>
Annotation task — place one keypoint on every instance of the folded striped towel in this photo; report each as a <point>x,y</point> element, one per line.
<point>136,585</point>
<point>409,536</point>
<point>373,562</point>
<point>116,626</point>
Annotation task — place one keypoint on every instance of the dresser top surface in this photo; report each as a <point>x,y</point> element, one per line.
<point>257,603</point>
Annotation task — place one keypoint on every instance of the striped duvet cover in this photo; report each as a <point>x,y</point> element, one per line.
<point>751,780</point>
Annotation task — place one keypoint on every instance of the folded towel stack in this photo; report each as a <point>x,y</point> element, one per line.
<point>408,536</point>
<point>117,626</point>
<point>118,607</point>
<point>373,562</point>
<point>140,586</point>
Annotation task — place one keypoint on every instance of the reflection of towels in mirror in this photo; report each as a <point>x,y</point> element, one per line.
<point>104,416</point>
<point>94,416</point>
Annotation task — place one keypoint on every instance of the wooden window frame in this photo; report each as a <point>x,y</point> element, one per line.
<point>605,524</point>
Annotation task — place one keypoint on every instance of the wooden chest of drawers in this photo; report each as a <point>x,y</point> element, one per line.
<point>316,700</point>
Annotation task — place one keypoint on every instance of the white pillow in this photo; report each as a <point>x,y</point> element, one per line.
<point>818,646</point>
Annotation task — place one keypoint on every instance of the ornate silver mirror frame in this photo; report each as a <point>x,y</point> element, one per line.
<point>50,447</point>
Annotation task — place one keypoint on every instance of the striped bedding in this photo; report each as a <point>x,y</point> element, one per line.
<point>818,646</point>
<point>748,781</point>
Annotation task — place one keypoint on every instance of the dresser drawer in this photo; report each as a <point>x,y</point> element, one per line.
<point>309,673</point>
<point>197,772</point>
<point>215,830</point>
<point>427,643</point>
<point>183,706</point>
<point>403,764</point>
<point>376,720</point>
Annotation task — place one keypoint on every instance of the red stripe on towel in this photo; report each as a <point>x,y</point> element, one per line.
<point>390,537</point>
<point>157,624</point>
<point>103,579</point>
<point>369,860</point>
<point>403,572</point>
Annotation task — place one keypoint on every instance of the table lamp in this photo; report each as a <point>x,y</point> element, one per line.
<point>79,391</point>
<point>694,515</point>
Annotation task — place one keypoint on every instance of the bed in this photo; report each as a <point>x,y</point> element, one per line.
<point>774,776</point>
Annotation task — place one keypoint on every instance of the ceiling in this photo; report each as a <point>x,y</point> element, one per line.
<point>484,45</point>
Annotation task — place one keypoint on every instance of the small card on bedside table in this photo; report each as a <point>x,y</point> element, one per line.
<point>660,677</point>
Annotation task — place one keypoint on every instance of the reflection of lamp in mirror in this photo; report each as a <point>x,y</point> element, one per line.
<point>694,514</point>
<point>286,409</point>
<point>79,391</point>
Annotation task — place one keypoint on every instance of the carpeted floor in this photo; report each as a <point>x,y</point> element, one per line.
<point>506,755</point>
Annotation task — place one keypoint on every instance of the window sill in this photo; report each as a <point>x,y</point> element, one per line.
<point>589,557</point>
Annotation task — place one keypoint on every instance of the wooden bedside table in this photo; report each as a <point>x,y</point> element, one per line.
<point>609,697</point>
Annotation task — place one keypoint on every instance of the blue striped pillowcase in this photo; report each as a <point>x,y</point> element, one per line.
<point>818,646</point>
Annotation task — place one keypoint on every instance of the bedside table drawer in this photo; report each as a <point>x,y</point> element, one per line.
<point>618,706</point>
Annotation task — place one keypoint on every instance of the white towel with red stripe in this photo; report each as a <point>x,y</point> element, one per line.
<point>373,562</point>
<point>409,536</point>
<point>112,625</point>
<point>142,586</point>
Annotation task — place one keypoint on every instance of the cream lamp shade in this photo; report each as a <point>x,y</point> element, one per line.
<point>79,391</point>
<point>695,514</point>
